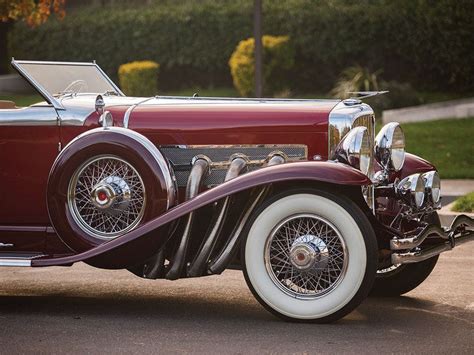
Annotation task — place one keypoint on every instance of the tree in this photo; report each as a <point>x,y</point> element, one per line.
<point>33,12</point>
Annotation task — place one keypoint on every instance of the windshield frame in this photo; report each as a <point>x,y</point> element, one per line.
<point>17,64</point>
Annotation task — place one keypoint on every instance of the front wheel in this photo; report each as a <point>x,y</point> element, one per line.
<point>309,255</point>
<point>397,280</point>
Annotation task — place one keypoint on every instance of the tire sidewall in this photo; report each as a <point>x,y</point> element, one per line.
<point>359,239</point>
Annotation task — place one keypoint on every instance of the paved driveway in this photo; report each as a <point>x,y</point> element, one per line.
<point>85,310</point>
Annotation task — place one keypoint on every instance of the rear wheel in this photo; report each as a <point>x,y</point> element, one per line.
<point>309,256</point>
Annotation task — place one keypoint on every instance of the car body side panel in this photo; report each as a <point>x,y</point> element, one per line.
<point>26,154</point>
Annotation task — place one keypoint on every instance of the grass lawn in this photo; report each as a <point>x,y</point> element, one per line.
<point>22,100</point>
<point>448,144</point>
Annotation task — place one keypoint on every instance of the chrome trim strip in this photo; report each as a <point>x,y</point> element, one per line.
<point>15,262</point>
<point>126,116</point>
<point>29,116</point>
<point>6,245</point>
<point>246,99</point>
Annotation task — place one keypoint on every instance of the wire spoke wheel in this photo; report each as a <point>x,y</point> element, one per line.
<point>305,256</point>
<point>106,197</point>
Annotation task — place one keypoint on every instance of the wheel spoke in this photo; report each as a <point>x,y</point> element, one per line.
<point>319,238</point>
<point>124,212</point>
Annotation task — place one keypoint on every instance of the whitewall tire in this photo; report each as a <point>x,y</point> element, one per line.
<point>309,255</point>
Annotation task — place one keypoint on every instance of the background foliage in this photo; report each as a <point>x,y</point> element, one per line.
<point>139,78</point>
<point>428,43</point>
<point>32,12</point>
<point>278,58</point>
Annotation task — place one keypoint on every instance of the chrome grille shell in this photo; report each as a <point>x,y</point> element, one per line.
<point>345,116</point>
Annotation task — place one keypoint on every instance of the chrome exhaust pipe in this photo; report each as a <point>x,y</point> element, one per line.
<point>198,266</point>
<point>199,171</point>
<point>454,235</point>
<point>225,256</point>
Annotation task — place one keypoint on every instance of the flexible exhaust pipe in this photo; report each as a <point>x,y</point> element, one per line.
<point>198,266</point>
<point>199,171</point>
<point>225,256</point>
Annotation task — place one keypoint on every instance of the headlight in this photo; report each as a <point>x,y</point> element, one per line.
<point>390,146</point>
<point>432,186</point>
<point>354,149</point>
<point>412,190</point>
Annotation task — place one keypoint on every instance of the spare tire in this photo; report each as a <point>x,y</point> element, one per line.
<point>105,183</point>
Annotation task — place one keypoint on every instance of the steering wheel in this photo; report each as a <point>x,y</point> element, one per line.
<point>76,86</point>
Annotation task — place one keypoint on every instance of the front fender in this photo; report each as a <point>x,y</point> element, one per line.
<point>118,250</point>
<point>414,164</point>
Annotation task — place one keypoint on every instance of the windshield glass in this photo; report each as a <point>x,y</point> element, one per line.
<point>64,78</point>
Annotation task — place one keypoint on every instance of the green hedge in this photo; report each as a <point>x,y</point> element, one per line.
<point>139,78</point>
<point>428,43</point>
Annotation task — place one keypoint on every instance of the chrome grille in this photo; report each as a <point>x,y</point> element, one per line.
<point>369,122</point>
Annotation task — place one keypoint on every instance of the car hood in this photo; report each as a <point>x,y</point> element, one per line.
<point>219,121</point>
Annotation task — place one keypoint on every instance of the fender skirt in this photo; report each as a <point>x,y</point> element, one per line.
<point>114,252</point>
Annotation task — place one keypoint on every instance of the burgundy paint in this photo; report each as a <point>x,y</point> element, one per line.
<point>116,250</point>
<point>236,123</point>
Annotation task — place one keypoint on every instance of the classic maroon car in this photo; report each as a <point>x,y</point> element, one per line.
<point>300,194</point>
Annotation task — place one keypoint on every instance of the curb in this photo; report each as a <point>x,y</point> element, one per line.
<point>447,216</point>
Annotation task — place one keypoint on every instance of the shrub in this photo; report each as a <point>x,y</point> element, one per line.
<point>357,78</point>
<point>464,203</point>
<point>278,58</point>
<point>139,78</point>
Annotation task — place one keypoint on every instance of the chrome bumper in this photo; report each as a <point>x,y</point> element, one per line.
<point>460,231</point>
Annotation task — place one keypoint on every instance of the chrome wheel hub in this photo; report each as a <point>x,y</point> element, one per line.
<point>112,195</point>
<point>309,252</point>
<point>305,256</point>
<point>106,197</point>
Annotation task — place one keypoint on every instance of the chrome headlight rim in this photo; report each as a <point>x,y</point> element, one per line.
<point>432,182</point>
<point>412,190</point>
<point>390,147</point>
<point>354,149</point>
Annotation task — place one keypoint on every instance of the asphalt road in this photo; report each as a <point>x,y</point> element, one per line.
<point>85,310</point>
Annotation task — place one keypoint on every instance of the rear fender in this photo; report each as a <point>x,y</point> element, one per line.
<point>117,252</point>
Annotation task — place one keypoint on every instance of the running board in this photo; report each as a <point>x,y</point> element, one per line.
<point>19,259</point>
<point>15,262</point>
